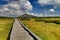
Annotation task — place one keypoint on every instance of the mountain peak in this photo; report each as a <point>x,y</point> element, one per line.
<point>27,15</point>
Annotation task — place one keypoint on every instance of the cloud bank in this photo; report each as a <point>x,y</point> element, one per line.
<point>48,1</point>
<point>16,7</point>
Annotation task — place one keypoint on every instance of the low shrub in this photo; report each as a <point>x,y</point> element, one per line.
<point>38,20</point>
<point>24,18</point>
<point>57,22</point>
<point>52,21</point>
<point>49,21</point>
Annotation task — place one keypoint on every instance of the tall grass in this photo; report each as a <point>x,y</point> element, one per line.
<point>5,26</point>
<point>44,30</point>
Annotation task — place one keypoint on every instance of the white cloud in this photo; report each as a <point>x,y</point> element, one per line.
<point>1,10</point>
<point>18,12</point>
<point>28,5</point>
<point>38,15</point>
<point>47,15</point>
<point>51,10</point>
<point>25,4</point>
<point>16,7</point>
<point>57,1</point>
<point>44,1</point>
<point>48,1</point>
<point>6,9</point>
<point>32,14</point>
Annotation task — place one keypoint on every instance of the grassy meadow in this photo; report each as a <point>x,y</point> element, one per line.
<point>44,28</point>
<point>5,26</point>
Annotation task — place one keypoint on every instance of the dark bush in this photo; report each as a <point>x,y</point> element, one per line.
<point>24,18</point>
<point>57,22</point>
<point>52,21</point>
<point>38,20</point>
<point>49,21</point>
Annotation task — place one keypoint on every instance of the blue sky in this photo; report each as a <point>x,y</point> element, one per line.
<point>2,2</point>
<point>38,6</point>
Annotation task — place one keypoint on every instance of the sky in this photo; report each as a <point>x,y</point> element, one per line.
<point>32,7</point>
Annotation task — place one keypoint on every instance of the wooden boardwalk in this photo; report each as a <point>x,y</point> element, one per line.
<point>18,32</point>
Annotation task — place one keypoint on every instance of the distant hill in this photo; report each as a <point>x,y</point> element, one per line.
<point>27,15</point>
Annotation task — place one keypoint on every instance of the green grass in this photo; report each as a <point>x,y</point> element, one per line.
<point>5,26</point>
<point>44,30</point>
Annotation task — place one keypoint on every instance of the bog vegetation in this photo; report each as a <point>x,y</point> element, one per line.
<point>44,28</point>
<point>5,27</point>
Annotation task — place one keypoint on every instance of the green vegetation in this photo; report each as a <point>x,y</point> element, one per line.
<point>44,28</point>
<point>49,20</point>
<point>24,18</point>
<point>5,27</point>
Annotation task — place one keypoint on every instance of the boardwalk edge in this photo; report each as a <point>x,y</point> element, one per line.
<point>30,33</point>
